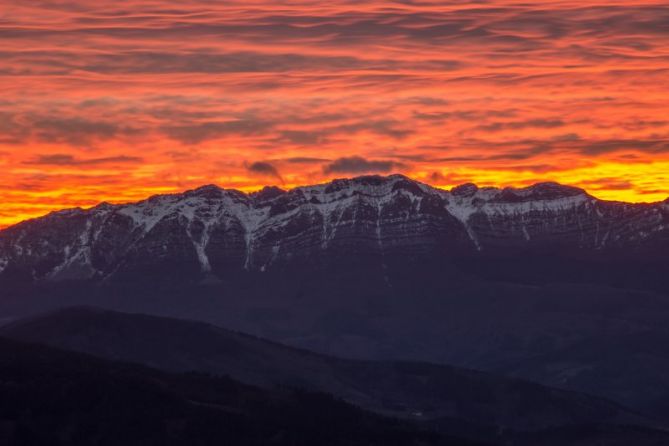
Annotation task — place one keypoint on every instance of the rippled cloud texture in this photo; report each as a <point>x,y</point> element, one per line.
<point>119,100</point>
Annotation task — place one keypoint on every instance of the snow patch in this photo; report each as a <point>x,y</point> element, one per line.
<point>485,201</point>
<point>251,221</point>
<point>77,258</point>
<point>146,214</point>
<point>463,212</point>
<point>200,249</point>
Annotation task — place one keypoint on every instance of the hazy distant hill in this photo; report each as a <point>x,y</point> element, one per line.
<point>423,392</point>
<point>53,397</point>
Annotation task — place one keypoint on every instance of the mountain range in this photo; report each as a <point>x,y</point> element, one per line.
<point>435,403</point>
<point>220,232</point>
<point>433,394</point>
<point>544,283</point>
<point>54,397</point>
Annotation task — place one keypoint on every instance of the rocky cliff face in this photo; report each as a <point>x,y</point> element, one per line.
<point>214,231</point>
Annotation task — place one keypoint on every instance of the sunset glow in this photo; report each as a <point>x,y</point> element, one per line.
<point>116,101</point>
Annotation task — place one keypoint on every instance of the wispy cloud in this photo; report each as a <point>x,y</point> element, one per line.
<point>120,101</point>
<point>69,160</point>
<point>357,165</point>
<point>263,169</point>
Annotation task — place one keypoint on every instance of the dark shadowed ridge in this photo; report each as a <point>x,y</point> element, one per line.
<point>50,396</point>
<point>440,395</point>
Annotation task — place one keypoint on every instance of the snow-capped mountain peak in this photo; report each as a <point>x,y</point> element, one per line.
<point>211,229</point>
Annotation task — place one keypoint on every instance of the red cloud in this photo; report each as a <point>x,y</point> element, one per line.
<point>118,103</point>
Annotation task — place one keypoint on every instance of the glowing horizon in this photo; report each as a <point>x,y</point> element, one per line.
<point>135,197</point>
<point>101,102</point>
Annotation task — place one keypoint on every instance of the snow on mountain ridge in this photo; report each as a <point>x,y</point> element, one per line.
<point>262,226</point>
<point>150,211</point>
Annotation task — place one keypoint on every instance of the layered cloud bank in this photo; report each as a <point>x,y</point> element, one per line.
<point>108,100</point>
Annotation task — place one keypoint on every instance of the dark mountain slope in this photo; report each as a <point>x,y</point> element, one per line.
<point>53,397</point>
<point>417,391</point>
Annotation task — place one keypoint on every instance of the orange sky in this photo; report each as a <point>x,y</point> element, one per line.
<point>107,100</point>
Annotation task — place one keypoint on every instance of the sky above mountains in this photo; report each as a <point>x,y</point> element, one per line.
<point>103,100</point>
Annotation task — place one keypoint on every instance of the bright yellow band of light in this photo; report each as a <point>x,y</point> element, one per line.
<point>598,180</point>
